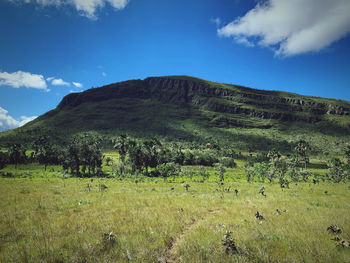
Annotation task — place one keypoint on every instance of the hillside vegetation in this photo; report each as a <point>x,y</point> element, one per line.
<point>191,110</point>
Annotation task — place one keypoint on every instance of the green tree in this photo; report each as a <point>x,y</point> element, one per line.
<point>91,154</point>
<point>302,149</point>
<point>136,155</point>
<point>347,154</point>
<point>221,170</point>
<point>293,164</point>
<point>40,142</point>
<point>177,156</point>
<point>281,169</point>
<point>44,152</point>
<point>228,162</point>
<point>46,155</point>
<point>166,170</point>
<point>151,156</point>
<point>17,153</point>
<point>274,157</point>
<point>121,144</point>
<point>72,157</point>
<point>337,171</point>
<point>85,152</point>
<point>249,171</point>
<point>204,173</point>
<point>261,171</point>
<point>4,160</point>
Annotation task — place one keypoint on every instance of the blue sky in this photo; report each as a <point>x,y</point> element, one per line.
<point>49,48</point>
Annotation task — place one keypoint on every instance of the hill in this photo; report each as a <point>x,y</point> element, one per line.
<point>187,109</point>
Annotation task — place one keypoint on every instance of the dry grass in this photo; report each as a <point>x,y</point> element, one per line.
<point>55,220</point>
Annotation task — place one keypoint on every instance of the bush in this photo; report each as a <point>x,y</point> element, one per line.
<point>228,162</point>
<point>206,158</point>
<point>228,153</point>
<point>166,170</point>
<point>337,171</point>
<point>189,158</point>
<point>4,160</point>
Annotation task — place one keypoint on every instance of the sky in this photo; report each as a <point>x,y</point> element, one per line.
<point>50,48</point>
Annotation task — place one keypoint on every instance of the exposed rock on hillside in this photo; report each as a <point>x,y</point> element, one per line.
<point>215,97</point>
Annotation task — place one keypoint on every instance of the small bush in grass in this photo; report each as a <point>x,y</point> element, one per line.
<point>229,243</point>
<point>228,162</point>
<point>166,170</point>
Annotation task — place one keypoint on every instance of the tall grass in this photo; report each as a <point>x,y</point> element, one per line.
<point>60,220</point>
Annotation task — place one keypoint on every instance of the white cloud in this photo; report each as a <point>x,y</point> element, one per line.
<point>244,41</point>
<point>292,27</point>
<point>23,79</point>
<point>59,82</point>
<point>77,84</point>
<point>7,122</point>
<point>216,21</point>
<point>118,4</point>
<point>74,91</point>
<point>24,120</point>
<point>104,74</point>
<point>86,8</point>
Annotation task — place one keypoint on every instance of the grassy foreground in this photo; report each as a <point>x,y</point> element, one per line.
<point>61,220</point>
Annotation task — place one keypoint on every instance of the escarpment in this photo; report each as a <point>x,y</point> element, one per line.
<point>187,108</point>
<point>216,97</point>
<point>180,90</point>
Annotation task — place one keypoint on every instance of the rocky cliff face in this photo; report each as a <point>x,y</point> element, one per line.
<point>216,97</point>
<point>188,109</point>
<point>186,90</point>
<point>241,100</point>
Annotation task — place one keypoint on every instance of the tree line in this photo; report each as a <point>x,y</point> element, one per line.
<point>83,156</point>
<point>293,167</point>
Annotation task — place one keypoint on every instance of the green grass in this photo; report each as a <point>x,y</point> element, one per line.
<point>46,218</point>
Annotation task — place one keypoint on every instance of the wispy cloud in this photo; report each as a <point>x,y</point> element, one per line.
<point>291,27</point>
<point>74,91</point>
<point>87,8</point>
<point>77,84</point>
<point>26,79</point>
<point>7,122</point>
<point>24,120</point>
<point>216,21</point>
<point>60,82</point>
<point>23,79</point>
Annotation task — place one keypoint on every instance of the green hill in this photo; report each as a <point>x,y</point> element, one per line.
<point>187,109</point>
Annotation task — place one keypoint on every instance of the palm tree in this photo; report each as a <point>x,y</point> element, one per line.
<point>121,144</point>
<point>302,148</point>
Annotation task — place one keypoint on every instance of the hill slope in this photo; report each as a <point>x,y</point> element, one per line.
<point>188,109</point>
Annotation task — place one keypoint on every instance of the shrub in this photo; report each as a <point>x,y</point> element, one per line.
<point>4,160</point>
<point>166,170</point>
<point>228,162</point>
<point>337,171</point>
<point>206,158</point>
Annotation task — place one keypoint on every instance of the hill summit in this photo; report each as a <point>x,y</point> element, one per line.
<point>182,108</point>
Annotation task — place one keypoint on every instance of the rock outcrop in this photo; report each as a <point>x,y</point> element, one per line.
<point>215,97</point>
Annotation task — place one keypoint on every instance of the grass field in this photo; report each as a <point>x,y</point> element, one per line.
<point>46,218</point>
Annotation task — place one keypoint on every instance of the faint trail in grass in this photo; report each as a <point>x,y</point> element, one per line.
<point>170,255</point>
